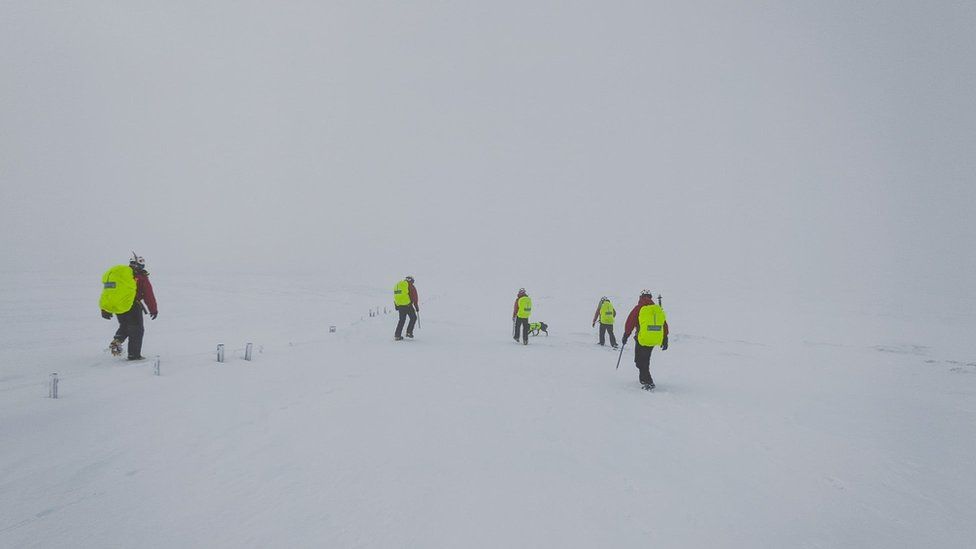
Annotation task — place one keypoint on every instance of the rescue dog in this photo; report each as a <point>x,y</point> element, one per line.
<point>536,327</point>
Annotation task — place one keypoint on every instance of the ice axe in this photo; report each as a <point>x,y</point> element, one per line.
<point>621,355</point>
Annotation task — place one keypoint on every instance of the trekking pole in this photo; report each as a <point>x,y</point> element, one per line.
<point>622,345</point>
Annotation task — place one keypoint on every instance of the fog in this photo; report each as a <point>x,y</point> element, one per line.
<point>823,147</point>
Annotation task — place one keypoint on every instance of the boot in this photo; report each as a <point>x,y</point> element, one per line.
<point>116,347</point>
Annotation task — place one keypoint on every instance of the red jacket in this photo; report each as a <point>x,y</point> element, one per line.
<point>632,317</point>
<point>144,292</point>
<point>412,290</point>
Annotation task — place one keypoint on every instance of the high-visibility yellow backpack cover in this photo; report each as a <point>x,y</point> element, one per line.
<point>606,312</point>
<point>118,290</point>
<point>524,307</point>
<point>651,319</point>
<point>401,293</point>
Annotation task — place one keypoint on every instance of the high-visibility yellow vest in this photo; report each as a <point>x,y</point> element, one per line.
<point>401,293</point>
<point>650,321</point>
<point>524,307</point>
<point>606,313</point>
<point>118,290</point>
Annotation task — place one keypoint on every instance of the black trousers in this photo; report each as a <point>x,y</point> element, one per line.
<point>523,324</point>
<point>605,328</point>
<point>642,358</point>
<point>406,311</point>
<point>131,327</point>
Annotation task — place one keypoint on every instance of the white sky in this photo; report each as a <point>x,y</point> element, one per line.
<point>702,145</point>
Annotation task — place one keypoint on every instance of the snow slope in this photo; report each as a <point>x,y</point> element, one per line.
<point>462,438</point>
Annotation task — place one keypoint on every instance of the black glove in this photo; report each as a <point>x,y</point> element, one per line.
<point>664,344</point>
<point>106,315</point>
<point>625,338</point>
<point>153,315</point>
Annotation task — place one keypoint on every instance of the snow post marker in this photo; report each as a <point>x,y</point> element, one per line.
<point>247,352</point>
<point>156,366</point>
<point>220,352</point>
<point>52,389</point>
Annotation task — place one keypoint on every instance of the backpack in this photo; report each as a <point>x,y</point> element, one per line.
<point>118,290</point>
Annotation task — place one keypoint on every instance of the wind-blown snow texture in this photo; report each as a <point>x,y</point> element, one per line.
<point>462,438</point>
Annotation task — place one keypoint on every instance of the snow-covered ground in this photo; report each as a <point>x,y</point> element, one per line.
<point>827,427</point>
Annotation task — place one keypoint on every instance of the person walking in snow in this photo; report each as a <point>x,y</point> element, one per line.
<point>521,314</point>
<point>651,324</point>
<point>407,304</point>
<point>127,293</point>
<point>606,314</point>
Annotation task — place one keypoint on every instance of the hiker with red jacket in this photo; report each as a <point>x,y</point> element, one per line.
<point>131,325</point>
<point>651,324</point>
<point>407,305</point>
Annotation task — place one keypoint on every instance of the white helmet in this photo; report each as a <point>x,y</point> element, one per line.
<point>138,261</point>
